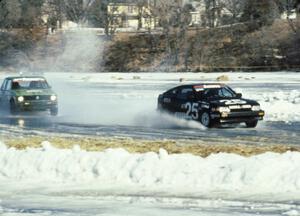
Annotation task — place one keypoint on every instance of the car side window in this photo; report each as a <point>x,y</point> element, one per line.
<point>226,93</point>
<point>3,85</point>
<point>200,95</point>
<point>184,93</point>
<point>171,93</point>
<point>211,93</point>
<point>8,85</point>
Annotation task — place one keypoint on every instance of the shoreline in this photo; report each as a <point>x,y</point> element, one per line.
<point>195,147</point>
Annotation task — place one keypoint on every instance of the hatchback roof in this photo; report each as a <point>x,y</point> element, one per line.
<point>24,77</point>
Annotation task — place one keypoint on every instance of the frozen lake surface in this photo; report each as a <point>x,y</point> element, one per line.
<point>47,181</point>
<point>124,104</point>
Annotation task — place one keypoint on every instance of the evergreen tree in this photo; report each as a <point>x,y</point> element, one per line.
<point>297,7</point>
<point>10,13</point>
<point>261,12</point>
<point>31,13</point>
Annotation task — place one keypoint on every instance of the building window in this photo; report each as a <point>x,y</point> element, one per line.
<point>130,9</point>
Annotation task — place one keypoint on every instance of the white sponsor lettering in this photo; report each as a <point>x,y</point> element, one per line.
<point>167,100</point>
<point>233,101</point>
<point>182,115</point>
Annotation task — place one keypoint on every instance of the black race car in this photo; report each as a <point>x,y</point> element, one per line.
<point>211,104</point>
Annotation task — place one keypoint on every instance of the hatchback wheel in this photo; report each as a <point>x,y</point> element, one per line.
<point>12,107</point>
<point>54,111</point>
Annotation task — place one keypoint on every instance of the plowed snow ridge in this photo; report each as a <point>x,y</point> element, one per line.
<point>262,174</point>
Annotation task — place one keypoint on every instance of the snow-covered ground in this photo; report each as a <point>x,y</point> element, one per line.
<point>180,174</point>
<point>49,181</point>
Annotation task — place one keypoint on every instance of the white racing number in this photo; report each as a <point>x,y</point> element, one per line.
<point>192,110</point>
<point>233,101</point>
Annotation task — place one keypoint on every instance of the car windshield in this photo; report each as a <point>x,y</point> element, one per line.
<point>223,92</point>
<point>29,84</point>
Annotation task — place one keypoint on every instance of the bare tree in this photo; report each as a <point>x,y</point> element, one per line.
<point>146,14</point>
<point>53,10</point>
<point>10,13</point>
<point>174,18</point>
<point>97,13</point>
<point>76,10</point>
<point>213,12</point>
<point>261,12</point>
<point>235,7</point>
<point>112,21</point>
<point>290,6</point>
<point>31,13</point>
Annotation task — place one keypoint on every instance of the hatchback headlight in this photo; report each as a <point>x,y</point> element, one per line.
<point>20,99</point>
<point>255,108</point>
<point>224,109</point>
<point>53,97</point>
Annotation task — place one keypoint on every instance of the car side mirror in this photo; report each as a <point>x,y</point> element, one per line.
<point>239,95</point>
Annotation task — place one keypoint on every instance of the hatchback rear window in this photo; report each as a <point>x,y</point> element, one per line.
<point>29,84</point>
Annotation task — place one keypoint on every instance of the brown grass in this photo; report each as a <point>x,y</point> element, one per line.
<point>142,146</point>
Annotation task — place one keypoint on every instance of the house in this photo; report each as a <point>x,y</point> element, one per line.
<point>197,13</point>
<point>130,16</point>
<point>211,16</point>
<point>289,15</point>
<point>196,19</point>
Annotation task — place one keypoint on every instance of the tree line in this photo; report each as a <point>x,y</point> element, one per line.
<point>31,13</point>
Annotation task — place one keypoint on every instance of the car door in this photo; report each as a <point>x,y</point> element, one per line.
<point>186,104</point>
<point>3,92</point>
<point>7,91</point>
<point>204,103</point>
<point>168,101</point>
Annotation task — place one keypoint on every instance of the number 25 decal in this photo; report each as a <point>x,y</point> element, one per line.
<point>192,110</point>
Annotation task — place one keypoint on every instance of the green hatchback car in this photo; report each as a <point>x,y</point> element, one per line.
<point>28,93</point>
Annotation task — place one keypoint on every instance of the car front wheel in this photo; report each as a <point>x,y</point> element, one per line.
<point>54,111</point>
<point>251,124</point>
<point>206,120</point>
<point>12,107</point>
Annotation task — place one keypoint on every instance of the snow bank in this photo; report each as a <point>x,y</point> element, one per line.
<point>281,106</point>
<point>266,173</point>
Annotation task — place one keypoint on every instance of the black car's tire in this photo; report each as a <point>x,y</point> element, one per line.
<point>251,124</point>
<point>54,111</point>
<point>12,107</point>
<point>159,107</point>
<point>206,120</point>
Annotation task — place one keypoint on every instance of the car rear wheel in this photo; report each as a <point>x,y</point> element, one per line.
<point>251,124</point>
<point>206,120</point>
<point>159,107</point>
<point>54,111</point>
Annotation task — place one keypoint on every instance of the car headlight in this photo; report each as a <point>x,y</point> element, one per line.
<point>53,97</point>
<point>20,99</point>
<point>223,109</point>
<point>255,108</point>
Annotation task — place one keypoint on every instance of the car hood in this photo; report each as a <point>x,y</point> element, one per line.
<point>233,101</point>
<point>34,92</point>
